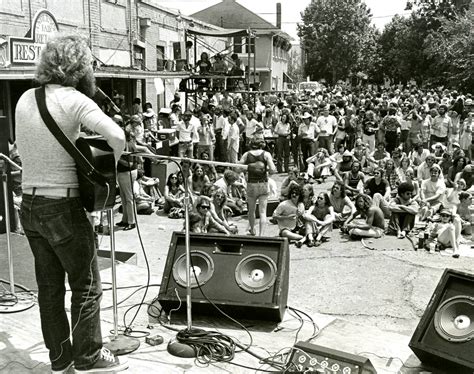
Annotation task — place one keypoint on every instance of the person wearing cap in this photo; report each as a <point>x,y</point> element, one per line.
<point>438,150</point>
<point>150,119</point>
<point>403,210</point>
<point>431,193</point>
<point>445,233</point>
<point>307,133</point>
<point>441,126</point>
<point>457,151</point>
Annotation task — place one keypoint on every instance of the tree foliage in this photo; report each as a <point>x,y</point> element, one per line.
<point>334,34</point>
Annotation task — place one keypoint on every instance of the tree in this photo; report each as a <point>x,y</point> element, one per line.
<point>333,36</point>
<point>451,47</point>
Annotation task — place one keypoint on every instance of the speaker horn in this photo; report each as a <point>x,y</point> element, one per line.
<point>256,273</point>
<point>454,319</point>
<point>202,268</point>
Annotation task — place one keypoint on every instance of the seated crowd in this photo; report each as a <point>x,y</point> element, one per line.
<point>400,158</point>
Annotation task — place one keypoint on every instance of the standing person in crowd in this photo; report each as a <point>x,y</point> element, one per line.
<point>403,211</point>
<point>369,129</point>
<point>52,214</point>
<point>390,126</point>
<point>233,139</point>
<point>367,222</point>
<point>441,126</point>
<point>283,131</point>
<point>307,133</point>
<point>185,133</point>
<point>137,107</point>
<point>150,119</point>
<point>466,133</point>
<point>175,116</point>
<point>260,164</point>
<point>327,125</point>
<point>206,136</point>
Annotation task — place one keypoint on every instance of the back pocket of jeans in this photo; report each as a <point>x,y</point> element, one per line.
<point>57,228</point>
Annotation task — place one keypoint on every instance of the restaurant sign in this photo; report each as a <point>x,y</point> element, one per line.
<point>27,50</point>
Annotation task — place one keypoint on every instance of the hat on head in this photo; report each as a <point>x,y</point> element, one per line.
<point>245,107</point>
<point>446,211</point>
<point>456,144</point>
<point>347,153</point>
<point>306,115</point>
<point>436,145</point>
<point>468,102</point>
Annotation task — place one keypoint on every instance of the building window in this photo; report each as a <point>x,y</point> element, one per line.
<point>237,44</point>
<point>160,58</point>
<point>250,45</point>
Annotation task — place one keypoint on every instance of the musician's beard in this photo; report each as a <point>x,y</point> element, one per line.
<point>87,85</point>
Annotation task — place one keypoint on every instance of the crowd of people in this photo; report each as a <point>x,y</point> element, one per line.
<point>399,158</point>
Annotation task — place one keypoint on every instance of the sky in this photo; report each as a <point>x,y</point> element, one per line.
<point>382,10</point>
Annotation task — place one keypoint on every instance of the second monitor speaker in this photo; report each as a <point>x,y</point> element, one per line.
<point>246,277</point>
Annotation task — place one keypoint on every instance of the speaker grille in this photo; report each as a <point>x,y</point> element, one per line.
<point>454,319</point>
<point>256,273</point>
<point>203,269</point>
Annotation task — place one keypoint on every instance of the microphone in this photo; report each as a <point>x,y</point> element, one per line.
<point>100,96</point>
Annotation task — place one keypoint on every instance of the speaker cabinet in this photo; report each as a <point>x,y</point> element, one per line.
<point>444,337</point>
<point>245,276</point>
<point>306,357</point>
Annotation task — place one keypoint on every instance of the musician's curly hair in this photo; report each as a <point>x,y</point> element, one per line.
<point>64,60</point>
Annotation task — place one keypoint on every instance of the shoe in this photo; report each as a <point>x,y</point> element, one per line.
<point>121,224</point>
<point>130,226</point>
<point>298,244</point>
<point>67,369</point>
<point>107,363</point>
<point>456,255</point>
<point>316,243</point>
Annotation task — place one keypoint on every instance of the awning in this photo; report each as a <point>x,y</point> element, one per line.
<point>17,73</point>
<point>287,78</point>
<point>125,73</point>
<point>219,33</point>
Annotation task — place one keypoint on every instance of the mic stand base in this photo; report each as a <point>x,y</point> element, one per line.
<point>121,345</point>
<point>178,349</point>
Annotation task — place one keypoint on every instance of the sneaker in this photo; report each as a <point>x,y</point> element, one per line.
<point>67,370</point>
<point>107,363</point>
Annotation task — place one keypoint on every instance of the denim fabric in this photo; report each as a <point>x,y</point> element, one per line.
<point>62,241</point>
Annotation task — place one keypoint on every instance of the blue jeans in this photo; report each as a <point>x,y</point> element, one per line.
<point>62,241</point>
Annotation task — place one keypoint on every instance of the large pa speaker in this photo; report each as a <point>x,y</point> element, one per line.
<point>444,337</point>
<point>245,276</point>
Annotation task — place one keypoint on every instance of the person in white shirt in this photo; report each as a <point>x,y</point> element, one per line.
<point>327,125</point>
<point>431,193</point>
<point>233,138</point>
<point>185,133</point>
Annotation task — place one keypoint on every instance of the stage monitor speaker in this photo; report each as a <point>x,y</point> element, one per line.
<point>306,357</point>
<point>444,337</point>
<point>245,276</point>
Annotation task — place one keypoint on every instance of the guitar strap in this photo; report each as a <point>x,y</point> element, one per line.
<point>81,162</point>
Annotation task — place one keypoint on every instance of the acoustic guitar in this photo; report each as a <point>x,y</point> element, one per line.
<point>100,155</point>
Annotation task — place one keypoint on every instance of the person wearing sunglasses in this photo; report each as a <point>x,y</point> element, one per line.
<point>286,214</point>
<point>207,223</point>
<point>445,233</point>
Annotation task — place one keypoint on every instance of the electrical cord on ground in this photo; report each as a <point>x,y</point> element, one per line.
<point>388,358</point>
<point>316,329</point>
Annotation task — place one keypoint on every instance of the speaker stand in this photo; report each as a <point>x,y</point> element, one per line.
<point>176,348</point>
<point>117,344</point>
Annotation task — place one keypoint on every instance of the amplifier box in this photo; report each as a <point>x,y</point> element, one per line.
<point>307,357</point>
<point>167,134</point>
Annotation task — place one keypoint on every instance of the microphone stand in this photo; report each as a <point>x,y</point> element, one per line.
<point>117,344</point>
<point>24,305</point>
<point>175,347</point>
